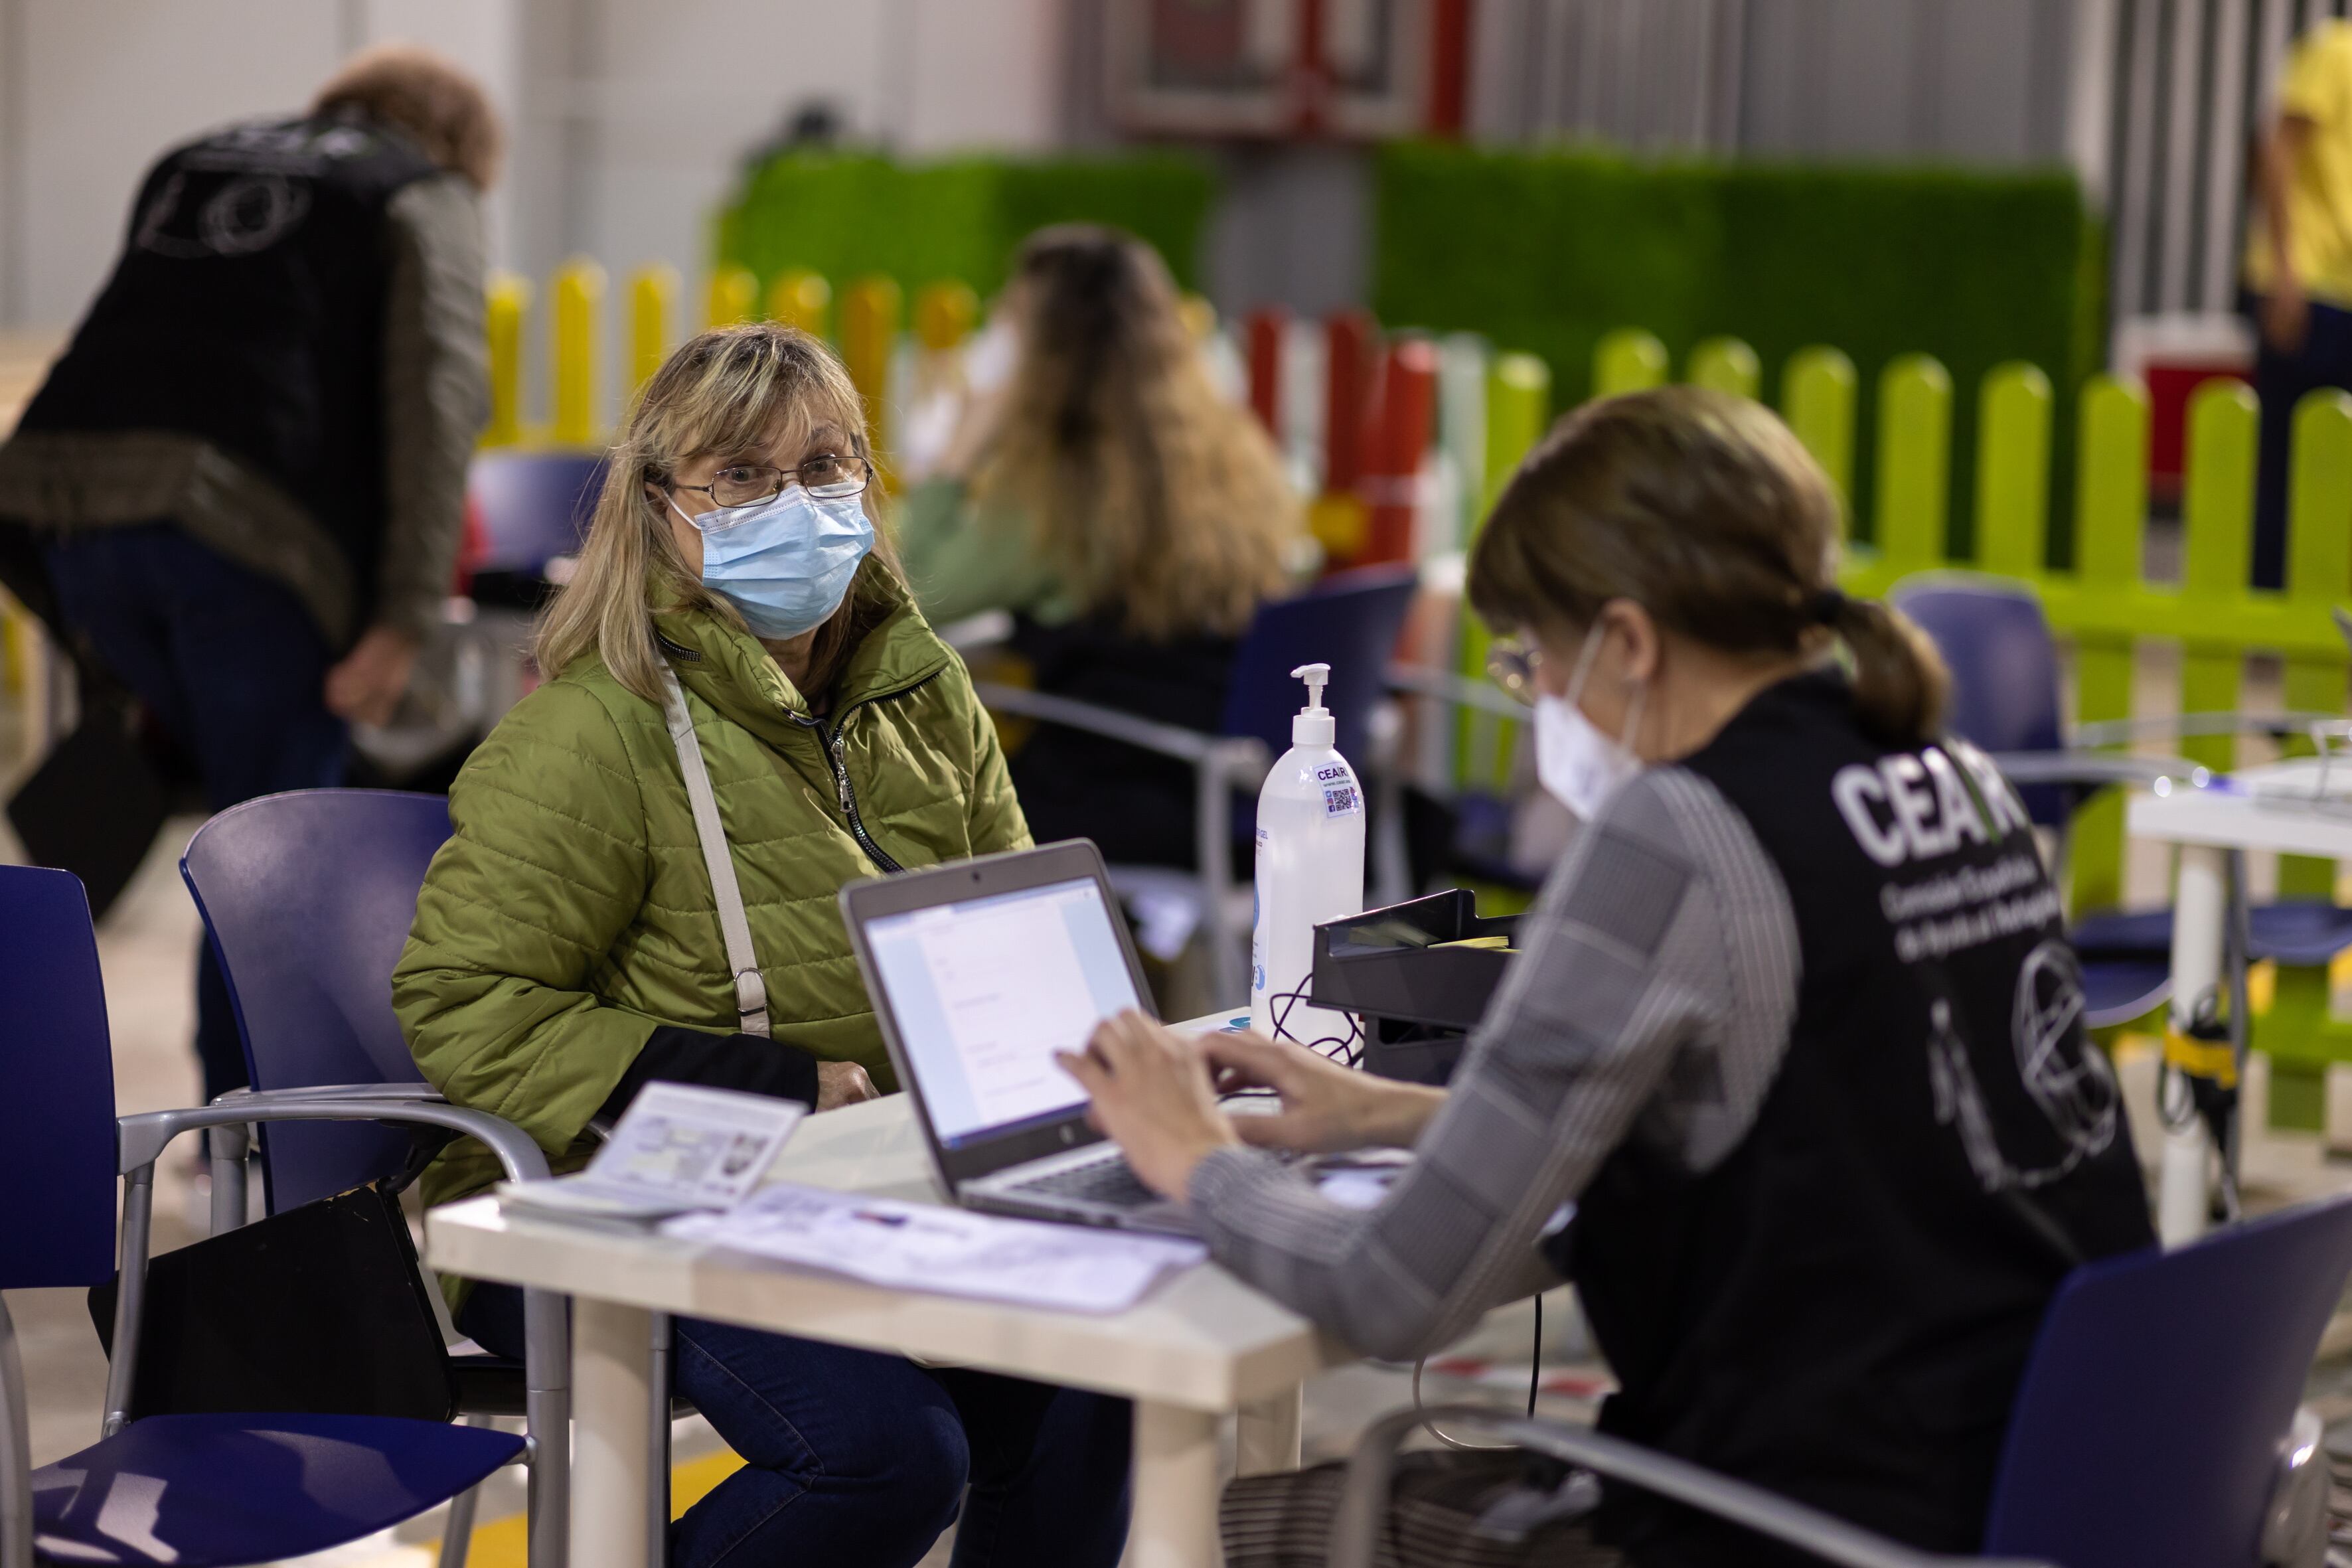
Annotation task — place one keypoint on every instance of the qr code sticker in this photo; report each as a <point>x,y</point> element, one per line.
<point>1341,800</point>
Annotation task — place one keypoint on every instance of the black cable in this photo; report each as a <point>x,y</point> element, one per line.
<point>1535,1358</point>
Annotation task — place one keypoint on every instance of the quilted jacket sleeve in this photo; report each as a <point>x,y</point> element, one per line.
<point>548,867</point>
<point>996,820</point>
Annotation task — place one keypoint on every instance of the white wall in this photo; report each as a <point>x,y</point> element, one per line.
<point>95,88</point>
<point>626,117</point>
<point>640,111</point>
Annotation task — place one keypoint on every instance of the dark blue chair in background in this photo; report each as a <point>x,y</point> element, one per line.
<point>306,898</point>
<point>534,506</point>
<point>1351,622</point>
<point>2005,675</point>
<point>2157,1422</point>
<point>185,1490</point>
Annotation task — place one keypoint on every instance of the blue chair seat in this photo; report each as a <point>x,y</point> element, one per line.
<point>2298,931</point>
<point>2293,931</point>
<point>217,1490</point>
<point>2118,990</point>
<point>2124,936</point>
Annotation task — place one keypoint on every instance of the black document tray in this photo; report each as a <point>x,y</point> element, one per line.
<point>1385,963</point>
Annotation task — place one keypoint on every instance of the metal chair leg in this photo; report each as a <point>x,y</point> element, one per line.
<point>457,1534</point>
<point>546,1332</point>
<point>16,1454</point>
<point>659,1437</point>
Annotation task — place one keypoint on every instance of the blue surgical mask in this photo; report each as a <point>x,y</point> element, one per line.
<point>786,564</point>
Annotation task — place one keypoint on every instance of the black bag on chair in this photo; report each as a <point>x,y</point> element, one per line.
<point>321,1309</point>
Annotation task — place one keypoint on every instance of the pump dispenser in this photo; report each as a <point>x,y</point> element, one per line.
<point>1311,871</point>
<point>1314,725</point>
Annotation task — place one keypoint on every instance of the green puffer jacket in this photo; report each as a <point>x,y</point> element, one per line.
<point>570,914</point>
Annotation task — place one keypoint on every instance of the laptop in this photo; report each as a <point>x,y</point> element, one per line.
<point>979,973</point>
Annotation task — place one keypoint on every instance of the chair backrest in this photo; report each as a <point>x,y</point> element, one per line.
<point>533,505</point>
<point>57,1086</point>
<point>2148,1425</point>
<point>308,899</point>
<point>1350,622</point>
<point>2004,668</point>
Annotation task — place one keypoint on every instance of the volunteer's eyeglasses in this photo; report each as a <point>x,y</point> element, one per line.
<point>1512,665</point>
<point>829,477</point>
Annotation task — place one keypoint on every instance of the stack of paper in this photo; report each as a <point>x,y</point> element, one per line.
<point>676,1149</point>
<point>949,1251</point>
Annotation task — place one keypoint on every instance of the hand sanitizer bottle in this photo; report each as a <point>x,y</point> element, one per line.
<point>1310,870</point>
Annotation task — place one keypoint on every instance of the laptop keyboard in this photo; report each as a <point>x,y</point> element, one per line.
<point>1105,1181</point>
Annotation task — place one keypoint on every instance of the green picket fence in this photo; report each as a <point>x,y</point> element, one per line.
<point>2105,606</point>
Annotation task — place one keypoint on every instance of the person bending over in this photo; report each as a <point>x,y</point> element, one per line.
<point>1793,1026</point>
<point>240,489</point>
<point>1131,518</point>
<point>567,947</point>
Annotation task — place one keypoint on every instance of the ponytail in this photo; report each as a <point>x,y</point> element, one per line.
<point>1899,681</point>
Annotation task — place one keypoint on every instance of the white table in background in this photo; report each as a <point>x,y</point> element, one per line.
<point>2254,808</point>
<point>1200,1345</point>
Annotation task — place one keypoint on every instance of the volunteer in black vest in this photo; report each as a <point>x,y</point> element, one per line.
<point>1793,1027</point>
<point>242,488</point>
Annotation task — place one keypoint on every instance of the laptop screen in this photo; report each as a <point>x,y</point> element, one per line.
<point>986,991</point>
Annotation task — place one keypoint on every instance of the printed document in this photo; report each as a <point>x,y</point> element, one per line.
<point>677,1147</point>
<point>946,1251</point>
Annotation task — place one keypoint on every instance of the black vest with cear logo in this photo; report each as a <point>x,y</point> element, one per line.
<point>249,311</point>
<point>1840,1309</point>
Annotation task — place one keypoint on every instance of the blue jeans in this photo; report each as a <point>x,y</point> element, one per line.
<point>861,1459</point>
<point>236,672</point>
<point>2281,381</point>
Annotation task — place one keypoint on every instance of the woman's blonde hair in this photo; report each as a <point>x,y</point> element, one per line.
<point>1706,511</point>
<point>731,391</point>
<point>1163,505</point>
<point>432,99</point>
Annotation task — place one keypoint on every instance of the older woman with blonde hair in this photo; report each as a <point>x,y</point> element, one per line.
<point>737,629</point>
<point>1130,516</point>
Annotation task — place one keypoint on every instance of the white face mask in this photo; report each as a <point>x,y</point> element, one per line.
<point>1580,765</point>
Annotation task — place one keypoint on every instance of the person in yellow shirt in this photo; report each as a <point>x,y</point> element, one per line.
<point>2298,271</point>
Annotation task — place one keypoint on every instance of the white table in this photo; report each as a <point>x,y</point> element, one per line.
<point>1201,1345</point>
<point>2253,808</point>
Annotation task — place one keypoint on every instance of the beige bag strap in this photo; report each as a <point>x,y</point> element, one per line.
<point>750,991</point>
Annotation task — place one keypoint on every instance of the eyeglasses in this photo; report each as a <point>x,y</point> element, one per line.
<point>1512,666</point>
<point>828,477</point>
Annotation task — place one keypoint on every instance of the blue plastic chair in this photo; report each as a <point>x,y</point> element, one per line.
<point>2005,670</point>
<point>2155,1422</point>
<point>307,898</point>
<point>185,1490</point>
<point>533,505</point>
<point>1350,621</point>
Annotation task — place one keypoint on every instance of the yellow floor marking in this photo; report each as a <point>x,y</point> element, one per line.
<point>505,1542</point>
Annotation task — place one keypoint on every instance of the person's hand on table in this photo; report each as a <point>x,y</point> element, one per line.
<point>1152,1097</point>
<point>1326,1107</point>
<point>841,1083</point>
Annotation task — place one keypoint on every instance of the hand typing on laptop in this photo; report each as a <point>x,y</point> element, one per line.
<point>1155,1091</point>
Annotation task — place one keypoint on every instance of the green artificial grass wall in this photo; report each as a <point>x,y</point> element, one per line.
<point>1546,251</point>
<point>851,215</point>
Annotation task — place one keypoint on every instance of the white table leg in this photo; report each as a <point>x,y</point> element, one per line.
<point>2199,905</point>
<point>1175,1523</point>
<point>1266,1435</point>
<point>612,1404</point>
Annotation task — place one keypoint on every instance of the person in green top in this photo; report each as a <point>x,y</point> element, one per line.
<point>1129,516</point>
<point>567,947</point>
